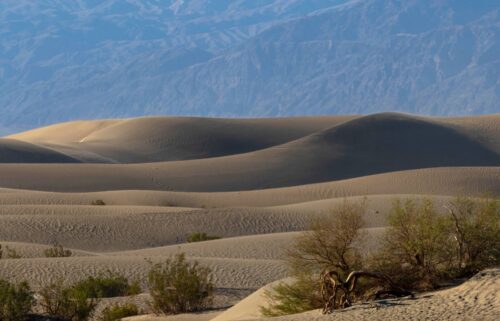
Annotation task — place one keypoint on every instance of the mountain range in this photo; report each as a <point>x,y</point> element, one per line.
<point>87,59</point>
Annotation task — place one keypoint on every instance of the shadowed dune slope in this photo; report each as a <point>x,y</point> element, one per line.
<point>152,139</point>
<point>15,151</point>
<point>362,146</point>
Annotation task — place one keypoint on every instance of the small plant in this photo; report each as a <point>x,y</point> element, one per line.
<point>98,202</point>
<point>57,250</point>
<point>178,286</point>
<point>16,301</point>
<point>117,312</point>
<point>11,253</point>
<point>66,303</point>
<point>299,295</point>
<point>108,285</point>
<point>201,236</point>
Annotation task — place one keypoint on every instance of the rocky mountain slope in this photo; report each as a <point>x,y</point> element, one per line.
<point>84,59</point>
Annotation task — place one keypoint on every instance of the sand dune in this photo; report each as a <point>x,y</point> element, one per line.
<point>363,146</point>
<point>152,139</point>
<point>227,273</point>
<point>14,151</point>
<point>117,228</point>
<point>256,183</point>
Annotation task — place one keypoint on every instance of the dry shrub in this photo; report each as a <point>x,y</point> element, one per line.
<point>57,250</point>
<point>117,312</point>
<point>178,286</point>
<point>107,285</point>
<point>333,242</point>
<point>67,303</point>
<point>16,301</point>
<point>201,236</point>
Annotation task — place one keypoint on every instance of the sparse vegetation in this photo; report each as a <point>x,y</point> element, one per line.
<point>291,297</point>
<point>11,253</point>
<point>476,231</point>
<point>67,303</point>
<point>16,301</point>
<point>332,242</point>
<point>417,245</point>
<point>201,236</point>
<point>117,312</point>
<point>421,248</point>
<point>178,286</point>
<point>107,285</point>
<point>57,250</point>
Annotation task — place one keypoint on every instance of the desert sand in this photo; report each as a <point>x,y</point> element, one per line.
<point>254,182</point>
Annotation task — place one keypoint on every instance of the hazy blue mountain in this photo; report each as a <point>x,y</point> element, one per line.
<point>61,60</point>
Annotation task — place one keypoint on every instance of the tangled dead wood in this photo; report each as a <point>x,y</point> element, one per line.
<point>337,292</point>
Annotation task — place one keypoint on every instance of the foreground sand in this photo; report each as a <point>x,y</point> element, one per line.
<point>256,183</point>
<point>476,299</point>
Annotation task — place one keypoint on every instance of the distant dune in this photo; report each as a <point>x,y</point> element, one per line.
<point>153,139</point>
<point>358,147</point>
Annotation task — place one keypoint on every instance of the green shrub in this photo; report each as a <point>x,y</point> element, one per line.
<point>476,230</point>
<point>107,285</point>
<point>16,301</point>
<point>332,242</point>
<point>57,250</point>
<point>200,236</point>
<point>11,253</point>
<point>422,247</point>
<point>66,303</point>
<point>297,296</point>
<point>117,312</point>
<point>417,245</point>
<point>98,203</point>
<point>177,286</point>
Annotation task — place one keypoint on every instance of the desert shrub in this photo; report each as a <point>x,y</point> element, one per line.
<point>332,242</point>
<point>117,312</point>
<point>476,230</point>
<point>417,245</point>
<point>66,303</point>
<point>11,253</point>
<point>107,285</point>
<point>57,250</point>
<point>98,202</point>
<point>177,286</point>
<point>291,297</point>
<point>16,301</point>
<point>200,236</point>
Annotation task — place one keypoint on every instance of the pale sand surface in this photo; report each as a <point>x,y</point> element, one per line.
<point>255,182</point>
<point>430,181</point>
<point>119,228</point>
